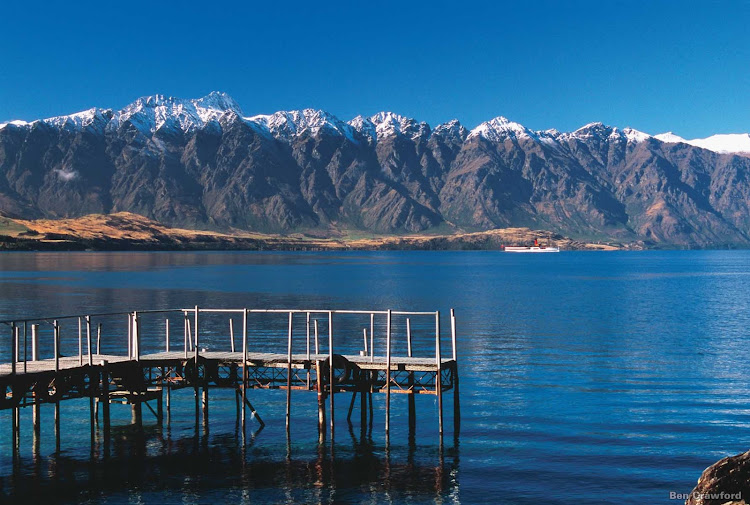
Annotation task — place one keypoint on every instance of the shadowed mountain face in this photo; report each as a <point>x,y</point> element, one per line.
<point>200,163</point>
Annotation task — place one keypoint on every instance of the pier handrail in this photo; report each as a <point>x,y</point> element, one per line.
<point>192,340</point>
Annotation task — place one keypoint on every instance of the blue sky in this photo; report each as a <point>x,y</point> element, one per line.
<point>651,65</point>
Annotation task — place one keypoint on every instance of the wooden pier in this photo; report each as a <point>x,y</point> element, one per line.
<point>131,358</point>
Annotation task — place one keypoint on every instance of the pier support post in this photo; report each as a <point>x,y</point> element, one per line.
<point>136,411</point>
<point>363,408</point>
<point>411,398</point>
<point>57,427</point>
<point>456,396</point>
<point>331,377</point>
<point>388,378</point>
<point>243,416</point>
<point>438,376</point>
<point>205,407</point>
<point>321,402</point>
<point>105,405</point>
<point>36,420</point>
<point>289,378</point>
<point>16,433</point>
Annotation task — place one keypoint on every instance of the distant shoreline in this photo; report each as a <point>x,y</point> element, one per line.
<point>131,232</point>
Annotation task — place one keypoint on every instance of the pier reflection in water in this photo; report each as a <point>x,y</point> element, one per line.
<point>151,464</point>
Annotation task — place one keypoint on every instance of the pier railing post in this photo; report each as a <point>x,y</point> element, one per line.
<point>231,334</point>
<point>99,338</point>
<point>166,334</point>
<point>130,336</point>
<point>196,337</point>
<point>56,338</point>
<point>136,337</point>
<point>25,345</point>
<point>13,349</point>
<point>307,333</point>
<point>34,342</point>
<point>88,340</point>
<point>372,338</point>
<point>185,321</point>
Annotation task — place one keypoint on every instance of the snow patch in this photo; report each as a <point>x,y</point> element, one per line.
<point>65,175</point>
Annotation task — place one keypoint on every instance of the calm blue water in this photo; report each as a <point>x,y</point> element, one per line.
<point>585,378</point>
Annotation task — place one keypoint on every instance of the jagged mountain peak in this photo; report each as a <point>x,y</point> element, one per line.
<point>151,113</point>
<point>291,123</point>
<point>94,118</point>
<point>389,124</point>
<point>452,128</point>
<point>499,128</point>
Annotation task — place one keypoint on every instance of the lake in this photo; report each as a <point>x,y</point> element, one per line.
<point>586,378</point>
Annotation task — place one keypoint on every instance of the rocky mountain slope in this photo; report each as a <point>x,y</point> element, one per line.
<point>202,164</point>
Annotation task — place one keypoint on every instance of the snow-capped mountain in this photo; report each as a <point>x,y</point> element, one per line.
<point>202,163</point>
<point>722,143</point>
<point>152,113</point>
<point>288,124</point>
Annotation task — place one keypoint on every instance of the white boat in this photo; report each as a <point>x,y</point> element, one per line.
<point>536,248</point>
<point>531,249</point>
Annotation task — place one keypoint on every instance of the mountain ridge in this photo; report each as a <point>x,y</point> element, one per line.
<point>201,163</point>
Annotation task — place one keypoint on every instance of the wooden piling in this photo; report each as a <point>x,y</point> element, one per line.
<point>56,338</point>
<point>411,398</point>
<point>456,395</point>
<point>80,342</point>
<point>105,402</point>
<point>57,427</point>
<point>36,420</point>
<point>307,345</point>
<point>438,376</point>
<point>289,378</point>
<point>331,378</point>
<point>16,433</point>
<point>205,406</point>
<point>362,407</point>
<point>388,378</point>
<point>321,399</point>
<point>36,416</point>
<point>244,368</point>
